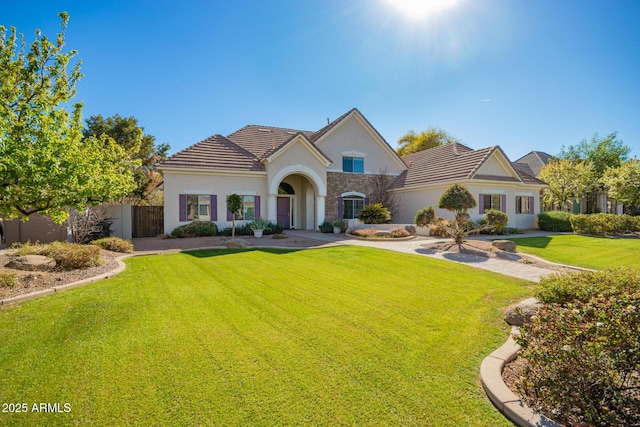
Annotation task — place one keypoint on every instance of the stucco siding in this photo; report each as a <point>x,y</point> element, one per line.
<point>493,167</point>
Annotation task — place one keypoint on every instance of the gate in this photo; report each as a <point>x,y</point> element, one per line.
<point>148,221</point>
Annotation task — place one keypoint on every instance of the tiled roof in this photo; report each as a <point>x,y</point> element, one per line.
<point>215,152</point>
<point>450,163</point>
<point>532,162</point>
<point>262,139</point>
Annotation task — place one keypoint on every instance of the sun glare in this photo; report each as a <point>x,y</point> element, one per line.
<point>421,9</point>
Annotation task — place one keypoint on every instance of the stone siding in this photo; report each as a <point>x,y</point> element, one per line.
<point>338,183</point>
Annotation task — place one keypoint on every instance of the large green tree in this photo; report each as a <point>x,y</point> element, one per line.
<point>567,180</point>
<point>624,182</point>
<point>412,142</point>
<point>602,153</point>
<point>140,146</point>
<point>45,166</point>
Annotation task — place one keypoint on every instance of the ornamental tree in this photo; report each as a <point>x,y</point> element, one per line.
<point>624,182</point>
<point>45,167</point>
<point>567,180</point>
<point>412,142</point>
<point>458,200</point>
<point>234,205</point>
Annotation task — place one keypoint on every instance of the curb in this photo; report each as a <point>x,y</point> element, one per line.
<point>500,395</point>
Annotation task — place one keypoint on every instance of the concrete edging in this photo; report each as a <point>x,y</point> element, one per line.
<point>500,395</point>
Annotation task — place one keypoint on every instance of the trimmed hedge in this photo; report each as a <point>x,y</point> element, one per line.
<point>195,229</point>
<point>554,221</point>
<point>604,224</point>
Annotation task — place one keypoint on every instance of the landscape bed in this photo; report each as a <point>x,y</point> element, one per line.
<point>335,336</point>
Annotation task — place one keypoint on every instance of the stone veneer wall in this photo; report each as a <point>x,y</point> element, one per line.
<point>338,183</point>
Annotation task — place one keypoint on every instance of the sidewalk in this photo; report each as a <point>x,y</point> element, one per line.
<point>509,268</point>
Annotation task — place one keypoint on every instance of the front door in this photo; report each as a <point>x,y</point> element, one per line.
<point>284,212</point>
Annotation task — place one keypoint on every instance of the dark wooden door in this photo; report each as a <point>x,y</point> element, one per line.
<point>284,212</point>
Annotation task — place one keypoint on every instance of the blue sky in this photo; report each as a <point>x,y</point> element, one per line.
<point>525,75</point>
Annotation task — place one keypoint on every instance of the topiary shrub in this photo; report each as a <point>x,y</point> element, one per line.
<point>375,213</point>
<point>425,216</point>
<point>496,220</point>
<point>554,221</point>
<point>114,244</point>
<point>195,229</point>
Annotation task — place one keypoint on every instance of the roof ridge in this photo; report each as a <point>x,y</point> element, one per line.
<point>490,151</point>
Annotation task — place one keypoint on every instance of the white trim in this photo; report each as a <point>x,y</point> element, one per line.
<point>352,154</point>
<point>319,184</point>
<point>361,173</point>
<point>352,194</point>
<point>244,193</point>
<point>203,192</point>
<point>518,193</point>
<point>305,142</point>
<point>212,172</point>
<point>492,191</point>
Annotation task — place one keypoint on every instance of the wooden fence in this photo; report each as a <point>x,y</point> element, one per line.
<point>148,221</point>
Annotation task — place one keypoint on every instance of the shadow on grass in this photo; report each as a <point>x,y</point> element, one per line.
<point>533,242</point>
<point>208,253</point>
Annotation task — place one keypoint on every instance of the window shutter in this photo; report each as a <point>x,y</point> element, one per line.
<point>503,203</point>
<point>257,206</point>
<point>339,207</point>
<point>532,205</point>
<point>214,207</point>
<point>182,207</point>
<point>366,201</point>
<point>481,204</point>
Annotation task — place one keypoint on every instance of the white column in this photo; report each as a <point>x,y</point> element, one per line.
<point>319,210</point>
<point>272,209</point>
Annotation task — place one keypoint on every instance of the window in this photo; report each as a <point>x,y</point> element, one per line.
<point>523,204</point>
<point>492,201</point>
<point>248,208</point>
<point>198,207</point>
<point>352,207</point>
<point>353,164</point>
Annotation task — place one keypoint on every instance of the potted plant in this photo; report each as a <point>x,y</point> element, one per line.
<point>338,226</point>
<point>259,225</point>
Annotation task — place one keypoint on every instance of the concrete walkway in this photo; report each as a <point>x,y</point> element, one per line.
<point>415,246</point>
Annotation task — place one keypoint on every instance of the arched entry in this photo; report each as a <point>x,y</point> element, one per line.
<point>285,206</point>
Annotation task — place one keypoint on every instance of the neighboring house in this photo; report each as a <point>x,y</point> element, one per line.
<point>533,162</point>
<point>487,173</point>
<point>300,178</point>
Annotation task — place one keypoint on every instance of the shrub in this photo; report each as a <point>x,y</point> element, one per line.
<point>602,224</point>
<point>439,228</point>
<point>425,216</point>
<point>554,221</point>
<point>496,219</point>
<point>195,229</point>
<point>571,287</point>
<point>68,256</point>
<point>375,213</point>
<point>582,361</point>
<point>326,227</point>
<point>7,279</point>
<point>399,232</point>
<point>365,232</point>
<point>114,244</point>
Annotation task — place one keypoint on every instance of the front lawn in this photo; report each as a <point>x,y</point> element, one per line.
<point>583,251</point>
<point>336,336</point>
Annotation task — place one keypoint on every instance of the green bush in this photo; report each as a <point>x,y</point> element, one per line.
<point>326,226</point>
<point>68,256</point>
<point>582,361</point>
<point>246,230</point>
<point>195,229</point>
<point>425,216</point>
<point>496,219</point>
<point>603,224</point>
<point>554,221</point>
<point>7,279</point>
<point>571,287</point>
<point>375,213</point>
<point>114,244</point>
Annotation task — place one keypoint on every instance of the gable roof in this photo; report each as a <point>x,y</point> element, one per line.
<point>215,152</point>
<point>532,162</point>
<point>451,163</point>
<point>262,139</point>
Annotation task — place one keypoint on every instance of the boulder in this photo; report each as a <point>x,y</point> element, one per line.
<point>237,244</point>
<point>32,263</point>
<point>521,313</point>
<point>411,230</point>
<point>504,245</point>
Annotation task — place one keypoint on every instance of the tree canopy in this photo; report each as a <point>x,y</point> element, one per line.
<point>413,142</point>
<point>140,146</point>
<point>602,153</point>
<point>624,182</point>
<point>567,179</point>
<point>45,166</point>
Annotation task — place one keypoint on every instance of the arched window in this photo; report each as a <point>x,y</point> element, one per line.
<point>285,188</point>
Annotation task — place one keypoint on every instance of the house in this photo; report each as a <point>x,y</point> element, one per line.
<point>533,162</point>
<point>300,178</point>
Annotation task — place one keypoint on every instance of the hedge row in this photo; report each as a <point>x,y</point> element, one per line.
<point>595,224</point>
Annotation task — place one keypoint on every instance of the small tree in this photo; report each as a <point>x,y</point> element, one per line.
<point>379,193</point>
<point>624,182</point>
<point>234,205</point>
<point>458,200</point>
<point>425,216</point>
<point>87,222</point>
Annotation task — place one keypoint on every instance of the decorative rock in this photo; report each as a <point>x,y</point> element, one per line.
<point>237,244</point>
<point>411,230</point>
<point>521,313</point>
<point>504,245</point>
<point>32,263</point>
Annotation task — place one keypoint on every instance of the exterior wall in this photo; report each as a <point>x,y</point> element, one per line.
<point>209,183</point>
<point>413,200</point>
<point>351,135</point>
<point>39,228</point>
<point>122,220</point>
<point>493,167</point>
<point>340,182</point>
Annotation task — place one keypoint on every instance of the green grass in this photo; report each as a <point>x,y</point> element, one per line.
<point>583,251</point>
<point>336,336</point>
